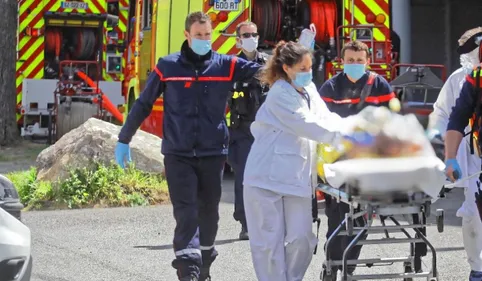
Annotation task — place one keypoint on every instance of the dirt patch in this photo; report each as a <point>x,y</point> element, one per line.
<point>19,157</point>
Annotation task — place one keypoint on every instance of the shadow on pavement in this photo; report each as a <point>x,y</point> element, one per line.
<point>169,247</point>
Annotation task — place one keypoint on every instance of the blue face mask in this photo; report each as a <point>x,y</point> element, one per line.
<point>200,47</point>
<point>303,79</point>
<point>354,70</point>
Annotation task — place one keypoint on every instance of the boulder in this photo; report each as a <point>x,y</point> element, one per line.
<point>96,140</point>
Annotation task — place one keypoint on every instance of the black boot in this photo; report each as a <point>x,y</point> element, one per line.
<point>243,235</point>
<point>191,277</point>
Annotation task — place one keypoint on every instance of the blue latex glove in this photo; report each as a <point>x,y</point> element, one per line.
<point>454,173</point>
<point>122,154</point>
<point>360,138</point>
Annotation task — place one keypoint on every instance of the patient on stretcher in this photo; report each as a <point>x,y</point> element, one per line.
<point>387,152</point>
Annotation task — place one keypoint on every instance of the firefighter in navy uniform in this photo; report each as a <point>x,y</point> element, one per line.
<point>346,94</point>
<point>246,98</point>
<point>195,144</point>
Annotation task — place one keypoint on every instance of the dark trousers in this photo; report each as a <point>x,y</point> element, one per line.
<point>195,191</point>
<point>335,211</point>
<point>239,148</point>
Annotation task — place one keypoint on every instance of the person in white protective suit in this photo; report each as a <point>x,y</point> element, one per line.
<point>280,173</point>
<point>465,163</point>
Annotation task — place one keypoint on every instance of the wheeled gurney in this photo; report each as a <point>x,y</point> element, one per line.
<point>414,207</point>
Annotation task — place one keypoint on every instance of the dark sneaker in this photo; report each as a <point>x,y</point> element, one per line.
<point>475,276</point>
<point>243,235</point>
<point>191,277</point>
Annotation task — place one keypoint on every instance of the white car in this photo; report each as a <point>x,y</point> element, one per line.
<point>15,248</point>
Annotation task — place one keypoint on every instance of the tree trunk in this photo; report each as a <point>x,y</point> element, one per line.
<point>8,98</point>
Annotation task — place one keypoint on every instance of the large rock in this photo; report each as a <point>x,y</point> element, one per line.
<point>96,140</point>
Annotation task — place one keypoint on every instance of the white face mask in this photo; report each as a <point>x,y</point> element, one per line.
<point>470,60</point>
<point>249,44</point>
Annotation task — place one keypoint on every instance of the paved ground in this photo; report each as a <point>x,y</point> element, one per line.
<point>135,244</point>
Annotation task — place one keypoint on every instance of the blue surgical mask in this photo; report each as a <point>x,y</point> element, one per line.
<point>354,70</point>
<point>200,47</point>
<point>303,79</point>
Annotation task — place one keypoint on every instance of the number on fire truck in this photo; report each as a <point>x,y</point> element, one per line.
<point>226,5</point>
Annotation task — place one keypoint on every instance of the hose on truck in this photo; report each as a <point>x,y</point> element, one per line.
<point>323,14</point>
<point>82,45</point>
<point>267,15</point>
<point>53,42</point>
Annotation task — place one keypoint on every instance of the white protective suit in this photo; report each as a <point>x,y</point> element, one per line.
<point>469,164</point>
<point>280,176</point>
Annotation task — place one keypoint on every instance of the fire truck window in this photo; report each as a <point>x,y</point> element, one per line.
<point>113,14</point>
<point>147,15</point>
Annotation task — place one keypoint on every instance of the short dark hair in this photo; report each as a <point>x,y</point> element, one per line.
<point>196,17</point>
<point>290,53</point>
<point>242,24</point>
<point>355,46</point>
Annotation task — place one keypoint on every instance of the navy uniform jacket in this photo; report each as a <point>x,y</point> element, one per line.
<point>195,96</point>
<point>464,108</point>
<point>343,96</point>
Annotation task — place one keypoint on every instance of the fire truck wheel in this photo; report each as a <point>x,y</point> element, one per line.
<point>69,118</point>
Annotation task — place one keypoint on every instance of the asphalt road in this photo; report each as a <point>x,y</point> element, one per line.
<point>136,244</point>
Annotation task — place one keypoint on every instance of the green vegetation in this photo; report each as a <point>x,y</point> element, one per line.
<point>100,185</point>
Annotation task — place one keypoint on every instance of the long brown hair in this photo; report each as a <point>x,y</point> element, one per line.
<point>289,53</point>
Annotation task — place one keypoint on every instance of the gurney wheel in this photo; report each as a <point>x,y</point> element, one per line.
<point>408,269</point>
<point>440,220</point>
<point>328,277</point>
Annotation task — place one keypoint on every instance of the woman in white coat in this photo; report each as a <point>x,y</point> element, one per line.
<point>280,169</point>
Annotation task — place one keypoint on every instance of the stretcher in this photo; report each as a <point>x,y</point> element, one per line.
<point>413,207</point>
<point>400,193</point>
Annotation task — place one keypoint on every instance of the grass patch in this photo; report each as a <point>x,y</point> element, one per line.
<point>100,185</point>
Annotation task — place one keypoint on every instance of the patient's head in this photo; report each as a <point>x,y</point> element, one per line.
<point>287,61</point>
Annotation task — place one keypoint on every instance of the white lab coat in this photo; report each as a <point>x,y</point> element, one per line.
<point>469,164</point>
<point>278,179</point>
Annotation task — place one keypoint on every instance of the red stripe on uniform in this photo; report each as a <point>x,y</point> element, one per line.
<point>375,100</point>
<point>470,80</point>
<point>381,99</point>
<point>202,78</point>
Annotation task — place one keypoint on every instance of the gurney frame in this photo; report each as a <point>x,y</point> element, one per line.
<point>385,206</point>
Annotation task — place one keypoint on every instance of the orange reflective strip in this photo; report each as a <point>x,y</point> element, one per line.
<point>202,78</point>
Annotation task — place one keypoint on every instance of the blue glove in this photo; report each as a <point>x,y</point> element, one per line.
<point>455,172</point>
<point>122,154</point>
<point>360,138</point>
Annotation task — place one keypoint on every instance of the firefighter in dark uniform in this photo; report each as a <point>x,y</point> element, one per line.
<point>245,100</point>
<point>195,83</point>
<point>346,94</point>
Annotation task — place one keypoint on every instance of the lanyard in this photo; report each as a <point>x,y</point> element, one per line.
<point>305,95</point>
